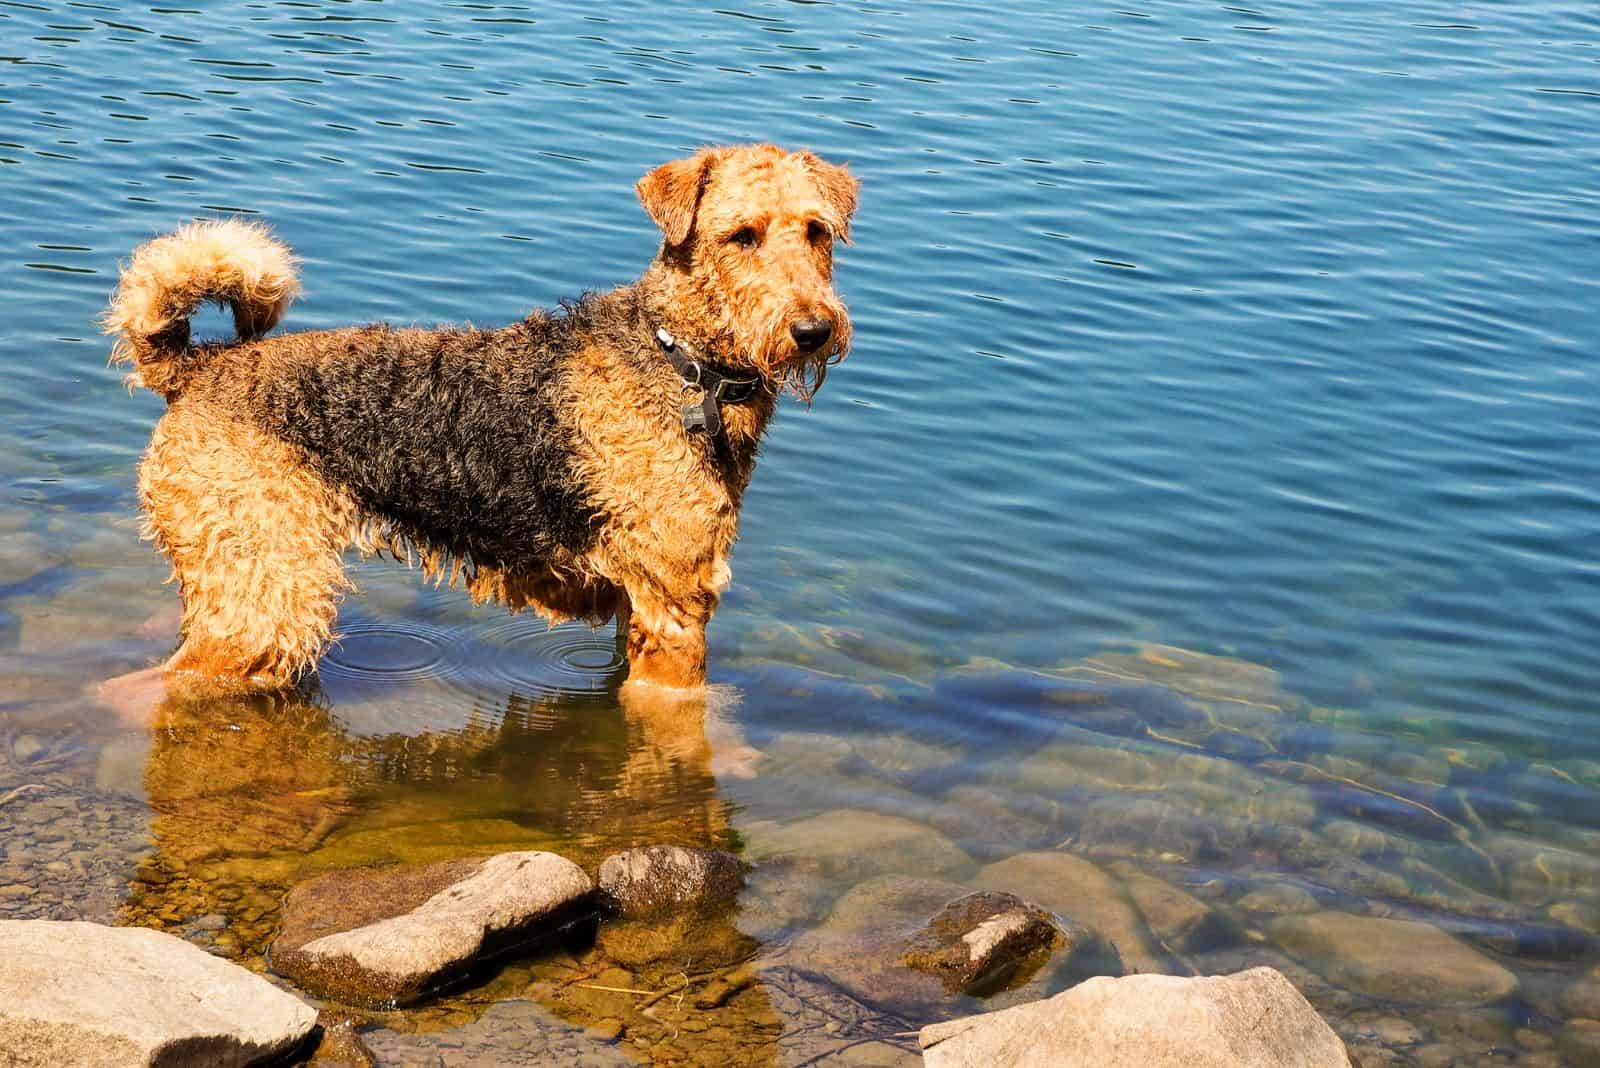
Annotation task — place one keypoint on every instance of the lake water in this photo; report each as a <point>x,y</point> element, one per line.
<point>1213,493</point>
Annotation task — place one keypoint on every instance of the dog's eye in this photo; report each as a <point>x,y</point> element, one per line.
<point>818,233</point>
<point>744,237</point>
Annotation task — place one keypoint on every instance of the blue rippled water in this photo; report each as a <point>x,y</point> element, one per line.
<point>1262,332</point>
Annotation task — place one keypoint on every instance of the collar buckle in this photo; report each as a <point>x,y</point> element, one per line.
<point>709,386</point>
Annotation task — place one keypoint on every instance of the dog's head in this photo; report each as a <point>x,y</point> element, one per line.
<point>748,249</point>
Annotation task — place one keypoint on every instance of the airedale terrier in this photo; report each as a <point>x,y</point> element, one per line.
<point>585,463</point>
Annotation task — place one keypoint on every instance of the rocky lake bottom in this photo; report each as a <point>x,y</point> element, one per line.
<point>1436,900</point>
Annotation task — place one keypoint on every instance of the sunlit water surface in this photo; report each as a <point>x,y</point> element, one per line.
<point>1213,488</point>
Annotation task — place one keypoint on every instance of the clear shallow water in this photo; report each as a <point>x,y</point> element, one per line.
<point>1262,333</point>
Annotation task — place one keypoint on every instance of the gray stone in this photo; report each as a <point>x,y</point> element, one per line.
<point>783,895</point>
<point>89,996</point>
<point>1181,786</point>
<point>1400,960</point>
<point>1253,1019</point>
<point>653,879</point>
<point>388,936</point>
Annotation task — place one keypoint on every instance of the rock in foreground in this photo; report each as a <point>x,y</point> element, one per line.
<point>386,937</point>
<point>90,996</point>
<point>1255,1019</point>
<point>653,879</point>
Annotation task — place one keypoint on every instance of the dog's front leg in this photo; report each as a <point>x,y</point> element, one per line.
<point>667,642</point>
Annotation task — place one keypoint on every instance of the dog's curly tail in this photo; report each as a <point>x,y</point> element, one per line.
<point>228,261</point>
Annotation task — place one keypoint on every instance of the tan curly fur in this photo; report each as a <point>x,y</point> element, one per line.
<point>228,261</point>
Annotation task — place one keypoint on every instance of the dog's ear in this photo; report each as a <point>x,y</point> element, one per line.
<point>671,193</point>
<point>840,189</point>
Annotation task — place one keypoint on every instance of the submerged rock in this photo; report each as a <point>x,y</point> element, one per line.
<point>1254,1019</point>
<point>879,945</point>
<point>1399,960</point>
<point>859,843</point>
<point>384,937</point>
<point>87,995</point>
<point>975,940</point>
<point>1279,899</point>
<point>653,879</point>
<point>515,1031</point>
<point>1180,920</point>
<point>1080,891</point>
<point>1579,1043</point>
<point>340,1045</point>
<point>1194,674</point>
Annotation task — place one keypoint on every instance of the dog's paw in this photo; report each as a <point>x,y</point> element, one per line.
<point>133,697</point>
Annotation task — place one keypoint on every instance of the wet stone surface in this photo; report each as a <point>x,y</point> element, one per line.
<point>651,880</point>
<point>386,937</point>
<point>980,940</point>
<point>900,943</point>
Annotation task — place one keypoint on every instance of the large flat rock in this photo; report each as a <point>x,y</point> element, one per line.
<point>90,996</point>
<point>1254,1019</point>
<point>1399,960</point>
<point>389,936</point>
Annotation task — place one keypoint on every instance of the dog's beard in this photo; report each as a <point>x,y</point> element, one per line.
<point>779,360</point>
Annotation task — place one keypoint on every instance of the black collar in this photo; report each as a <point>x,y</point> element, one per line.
<point>705,388</point>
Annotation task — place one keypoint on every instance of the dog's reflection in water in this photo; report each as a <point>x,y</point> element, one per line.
<point>262,787</point>
<point>252,794</point>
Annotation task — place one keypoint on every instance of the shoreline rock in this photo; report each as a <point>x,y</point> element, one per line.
<point>1252,1019</point>
<point>89,995</point>
<point>381,938</point>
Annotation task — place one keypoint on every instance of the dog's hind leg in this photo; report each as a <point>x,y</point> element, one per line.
<point>256,539</point>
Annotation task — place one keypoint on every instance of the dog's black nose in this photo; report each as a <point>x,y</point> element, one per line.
<point>811,334</point>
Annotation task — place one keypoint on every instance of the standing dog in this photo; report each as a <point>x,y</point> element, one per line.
<point>585,463</point>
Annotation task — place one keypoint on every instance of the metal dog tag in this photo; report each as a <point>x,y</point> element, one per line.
<point>698,416</point>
